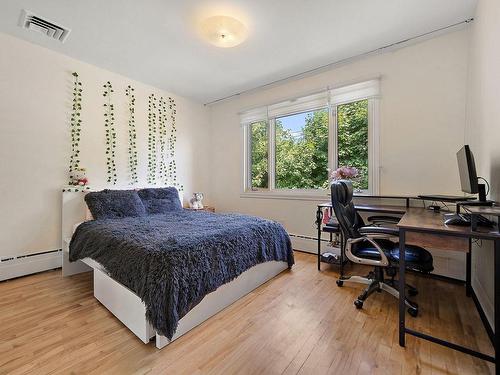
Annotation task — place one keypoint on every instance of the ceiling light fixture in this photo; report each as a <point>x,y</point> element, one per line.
<point>224,31</point>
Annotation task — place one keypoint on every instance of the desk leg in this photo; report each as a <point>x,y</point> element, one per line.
<point>342,255</point>
<point>402,269</point>
<point>468,270</point>
<point>319,220</point>
<point>497,306</point>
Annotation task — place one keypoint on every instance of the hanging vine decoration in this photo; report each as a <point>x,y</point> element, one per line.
<point>132,136</point>
<point>162,135</point>
<point>152,140</point>
<point>76,127</point>
<point>172,166</point>
<point>109,125</point>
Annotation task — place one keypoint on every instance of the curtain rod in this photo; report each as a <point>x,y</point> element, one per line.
<point>347,59</point>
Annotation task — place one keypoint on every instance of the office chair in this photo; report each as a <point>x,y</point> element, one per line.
<point>371,245</point>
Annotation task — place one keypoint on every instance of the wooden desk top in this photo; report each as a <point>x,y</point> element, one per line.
<point>423,220</point>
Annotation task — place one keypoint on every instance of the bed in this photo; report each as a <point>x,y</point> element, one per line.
<point>163,273</point>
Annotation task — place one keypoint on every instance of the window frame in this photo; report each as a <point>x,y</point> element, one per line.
<point>367,90</point>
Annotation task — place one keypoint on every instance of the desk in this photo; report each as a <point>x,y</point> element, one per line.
<point>428,241</point>
<point>426,228</point>
<point>418,220</point>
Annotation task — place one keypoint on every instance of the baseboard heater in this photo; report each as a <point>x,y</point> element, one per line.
<point>310,244</point>
<point>27,264</point>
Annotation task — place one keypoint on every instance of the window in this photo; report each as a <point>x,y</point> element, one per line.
<point>301,158</point>
<point>291,145</point>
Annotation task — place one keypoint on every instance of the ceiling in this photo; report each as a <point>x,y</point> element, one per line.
<point>156,41</point>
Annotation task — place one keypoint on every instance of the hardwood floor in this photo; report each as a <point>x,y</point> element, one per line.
<point>298,323</point>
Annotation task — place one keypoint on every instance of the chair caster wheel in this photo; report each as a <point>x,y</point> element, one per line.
<point>413,311</point>
<point>412,292</point>
<point>340,283</point>
<point>358,303</point>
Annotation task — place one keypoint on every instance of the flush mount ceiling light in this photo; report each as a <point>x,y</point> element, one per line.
<point>223,31</point>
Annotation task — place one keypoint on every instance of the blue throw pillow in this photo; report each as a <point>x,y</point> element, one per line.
<point>160,200</point>
<point>113,204</point>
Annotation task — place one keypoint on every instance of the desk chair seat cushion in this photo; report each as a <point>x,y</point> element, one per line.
<point>417,258</point>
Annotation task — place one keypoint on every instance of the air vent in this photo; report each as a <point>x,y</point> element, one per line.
<point>36,23</point>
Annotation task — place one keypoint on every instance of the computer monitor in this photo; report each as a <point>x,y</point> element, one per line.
<point>468,175</point>
<point>467,170</point>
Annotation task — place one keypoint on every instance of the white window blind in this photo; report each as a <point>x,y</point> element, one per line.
<point>357,91</point>
<point>253,115</point>
<point>298,105</point>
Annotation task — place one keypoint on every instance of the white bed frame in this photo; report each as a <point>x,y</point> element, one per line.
<point>128,307</point>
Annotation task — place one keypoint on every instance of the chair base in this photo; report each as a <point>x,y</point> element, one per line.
<point>376,282</point>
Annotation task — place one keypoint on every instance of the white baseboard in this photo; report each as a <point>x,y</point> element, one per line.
<point>28,264</point>
<point>309,245</point>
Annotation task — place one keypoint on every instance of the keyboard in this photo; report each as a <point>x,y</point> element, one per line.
<point>465,219</point>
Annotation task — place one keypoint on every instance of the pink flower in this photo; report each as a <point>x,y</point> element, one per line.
<point>344,173</point>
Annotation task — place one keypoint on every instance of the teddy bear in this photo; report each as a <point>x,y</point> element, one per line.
<point>79,177</point>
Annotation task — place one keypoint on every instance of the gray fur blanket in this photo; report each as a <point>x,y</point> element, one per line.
<point>171,261</point>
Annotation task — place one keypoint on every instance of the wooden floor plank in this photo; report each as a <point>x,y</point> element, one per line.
<point>298,323</point>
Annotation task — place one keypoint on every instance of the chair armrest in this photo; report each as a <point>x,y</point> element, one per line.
<point>366,231</point>
<point>376,219</point>
<point>383,262</point>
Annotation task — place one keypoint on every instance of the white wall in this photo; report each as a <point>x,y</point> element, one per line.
<point>35,99</point>
<point>483,129</point>
<point>422,117</point>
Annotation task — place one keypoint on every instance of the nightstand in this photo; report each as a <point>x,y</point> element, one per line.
<point>205,208</point>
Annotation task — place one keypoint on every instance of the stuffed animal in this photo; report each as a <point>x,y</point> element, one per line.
<point>195,202</point>
<point>79,177</point>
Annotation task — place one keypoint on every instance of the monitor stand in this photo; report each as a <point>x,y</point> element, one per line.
<point>480,202</point>
<point>474,203</point>
<point>481,188</point>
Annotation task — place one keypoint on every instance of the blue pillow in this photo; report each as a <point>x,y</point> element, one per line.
<point>113,204</point>
<point>160,200</point>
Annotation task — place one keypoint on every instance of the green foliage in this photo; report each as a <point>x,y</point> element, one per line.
<point>352,120</point>
<point>152,139</point>
<point>162,140</point>
<point>172,140</point>
<point>162,135</point>
<point>109,127</point>
<point>75,126</point>
<point>302,162</point>
<point>259,145</point>
<point>132,136</point>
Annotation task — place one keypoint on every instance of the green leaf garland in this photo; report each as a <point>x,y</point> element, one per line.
<point>172,166</point>
<point>76,126</point>
<point>132,136</point>
<point>162,133</point>
<point>109,126</point>
<point>152,160</point>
